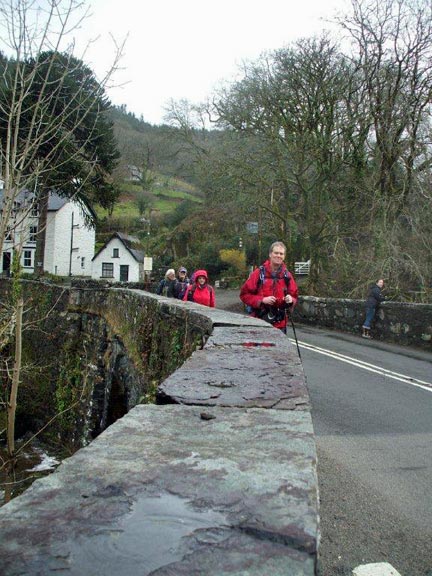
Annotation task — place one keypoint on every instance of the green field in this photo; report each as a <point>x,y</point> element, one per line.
<point>166,196</point>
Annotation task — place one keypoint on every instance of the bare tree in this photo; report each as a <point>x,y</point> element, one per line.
<point>53,133</point>
<point>331,148</point>
<point>393,46</point>
<point>50,104</point>
<point>288,113</point>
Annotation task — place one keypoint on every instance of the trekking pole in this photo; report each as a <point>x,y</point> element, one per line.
<point>294,331</point>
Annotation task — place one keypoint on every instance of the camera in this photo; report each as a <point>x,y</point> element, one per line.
<point>272,315</point>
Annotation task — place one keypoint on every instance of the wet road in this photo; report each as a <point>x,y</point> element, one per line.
<point>372,415</point>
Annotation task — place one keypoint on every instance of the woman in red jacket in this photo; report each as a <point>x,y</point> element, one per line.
<point>270,290</point>
<point>200,291</point>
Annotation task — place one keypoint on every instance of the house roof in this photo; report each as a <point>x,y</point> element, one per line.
<point>55,202</point>
<point>131,244</point>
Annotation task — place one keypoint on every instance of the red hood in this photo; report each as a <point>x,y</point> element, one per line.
<point>200,273</point>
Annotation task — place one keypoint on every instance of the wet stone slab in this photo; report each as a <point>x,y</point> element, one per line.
<point>240,367</point>
<point>174,490</point>
<point>261,334</point>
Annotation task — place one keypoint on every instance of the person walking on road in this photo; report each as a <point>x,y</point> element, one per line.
<point>374,299</point>
<point>270,291</point>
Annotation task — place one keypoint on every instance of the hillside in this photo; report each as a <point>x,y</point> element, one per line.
<point>165,194</point>
<point>156,147</point>
<point>151,179</point>
<point>161,203</point>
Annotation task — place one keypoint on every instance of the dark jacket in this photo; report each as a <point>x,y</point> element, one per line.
<point>375,297</point>
<point>167,288</point>
<point>181,287</point>
<point>275,284</point>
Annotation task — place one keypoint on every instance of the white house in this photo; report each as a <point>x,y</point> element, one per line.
<point>121,259</point>
<point>70,240</point>
<point>135,174</point>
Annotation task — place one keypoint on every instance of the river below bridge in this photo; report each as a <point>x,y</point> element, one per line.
<point>31,463</point>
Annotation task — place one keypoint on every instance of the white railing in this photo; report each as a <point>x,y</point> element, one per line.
<point>302,267</point>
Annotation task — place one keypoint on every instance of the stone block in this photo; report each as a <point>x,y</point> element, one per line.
<point>174,490</point>
<point>240,368</point>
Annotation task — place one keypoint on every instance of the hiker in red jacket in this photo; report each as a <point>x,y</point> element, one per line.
<point>200,291</point>
<point>271,290</point>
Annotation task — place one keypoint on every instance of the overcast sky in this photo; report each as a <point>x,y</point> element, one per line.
<point>184,48</point>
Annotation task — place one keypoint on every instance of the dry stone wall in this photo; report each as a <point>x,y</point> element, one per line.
<point>398,322</point>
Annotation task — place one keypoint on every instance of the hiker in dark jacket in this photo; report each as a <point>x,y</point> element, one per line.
<point>183,282</point>
<point>270,290</point>
<point>374,299</point>
<point>168,285</point>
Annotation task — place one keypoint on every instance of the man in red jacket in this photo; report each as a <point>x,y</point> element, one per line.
<point>200,291</point>
<point>270,290</point>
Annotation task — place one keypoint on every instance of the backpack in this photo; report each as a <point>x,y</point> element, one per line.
<point>261,278</point>
<point>260,282</point>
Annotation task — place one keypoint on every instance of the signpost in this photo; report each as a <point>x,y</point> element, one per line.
<point>252,227</point>
<point>255,228</point>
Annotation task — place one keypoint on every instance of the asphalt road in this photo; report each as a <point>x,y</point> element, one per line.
<point>374,439</point>
<point>372,415</point>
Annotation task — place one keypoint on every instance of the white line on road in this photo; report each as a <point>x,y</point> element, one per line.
<point>377,569</point>
<point>367,366</point>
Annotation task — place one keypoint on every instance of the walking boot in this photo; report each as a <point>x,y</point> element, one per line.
<point>366,333</point>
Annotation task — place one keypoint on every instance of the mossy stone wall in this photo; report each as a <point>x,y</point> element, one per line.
<point>85,348</point>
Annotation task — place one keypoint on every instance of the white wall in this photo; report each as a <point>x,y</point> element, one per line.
<point>125,258</point>
<point>21,233</point>
<point>59,258</point>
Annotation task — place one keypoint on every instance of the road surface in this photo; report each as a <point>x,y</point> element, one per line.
<point>372,415</point>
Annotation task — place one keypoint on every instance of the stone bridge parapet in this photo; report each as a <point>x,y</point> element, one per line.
<point>217,478</point>
<point>399,322</point>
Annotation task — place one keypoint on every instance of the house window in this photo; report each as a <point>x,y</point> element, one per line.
<point>9,234</point>
<point>35,209</point>
<point>116,253</point>
<point>33,233</point>
<point>7,262</point>
<point>27,259</point>
<point>82,262</point>
<point>107,270</point>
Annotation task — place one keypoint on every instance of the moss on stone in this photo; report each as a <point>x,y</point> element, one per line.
<point>95,337</point>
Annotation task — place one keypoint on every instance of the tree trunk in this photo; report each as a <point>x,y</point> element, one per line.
<point>12,404</point>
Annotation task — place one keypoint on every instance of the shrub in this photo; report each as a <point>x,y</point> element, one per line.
<point>236,259</point>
